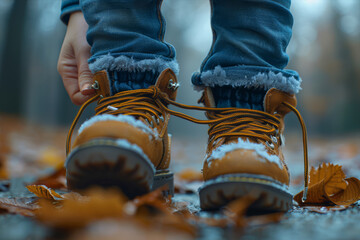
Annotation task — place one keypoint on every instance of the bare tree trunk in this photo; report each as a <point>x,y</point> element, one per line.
<point>12,65</point>
<point>350,79</point>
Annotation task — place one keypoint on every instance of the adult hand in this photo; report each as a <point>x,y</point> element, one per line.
<point>72,64</point>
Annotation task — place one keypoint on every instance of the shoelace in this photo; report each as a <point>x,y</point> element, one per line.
<point>151,104</point>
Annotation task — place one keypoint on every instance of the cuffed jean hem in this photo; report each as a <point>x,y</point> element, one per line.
<point>248,76</point>
<point>132,64</point>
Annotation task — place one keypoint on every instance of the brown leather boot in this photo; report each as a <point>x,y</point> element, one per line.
<point>126,143</point>
<point>244,154</point>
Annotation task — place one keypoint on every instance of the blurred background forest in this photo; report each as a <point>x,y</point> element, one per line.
<point>325,50</point>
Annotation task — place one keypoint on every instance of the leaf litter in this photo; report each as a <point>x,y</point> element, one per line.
<point>328,186</point>
<point>107,214</point>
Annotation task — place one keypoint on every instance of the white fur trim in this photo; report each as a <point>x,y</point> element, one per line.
<point>258,148</point>
<point>121,118</point>
<point>124,63</point>
<point>218,77</point>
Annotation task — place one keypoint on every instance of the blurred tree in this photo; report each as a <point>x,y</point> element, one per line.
<point>12,64</point>
<point>350,116</point>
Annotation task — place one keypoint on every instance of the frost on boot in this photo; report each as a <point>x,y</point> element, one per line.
<point>126,143</point>
<point>244,155</point>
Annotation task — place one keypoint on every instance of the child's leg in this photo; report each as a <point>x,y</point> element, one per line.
<point>248,51</point>
<point>127,40</point>
<point>126,144</point>
<point>244,155</point>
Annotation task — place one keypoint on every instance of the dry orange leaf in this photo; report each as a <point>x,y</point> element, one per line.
<point>188,181</point>
<point>78,212</point>
<point>190,175</point>
<point>127,229</point>
<point>265,219</point>
<point>55,180</point>
<point>51,157</point>
<point>236,210</point>
<point>44,192</point>
<point>3,170</point>
<point>143,208</point>
<point>350,195</point>
<point>328,186</point>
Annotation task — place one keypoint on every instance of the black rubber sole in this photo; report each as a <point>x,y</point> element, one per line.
<point>269,195</point>
<point>107,163</point>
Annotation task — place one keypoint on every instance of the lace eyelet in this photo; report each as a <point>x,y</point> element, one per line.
<point>270,145</point>
<point>95,85</point>
<point>172,85</point>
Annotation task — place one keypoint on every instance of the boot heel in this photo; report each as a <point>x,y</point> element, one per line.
<point>164,179</point>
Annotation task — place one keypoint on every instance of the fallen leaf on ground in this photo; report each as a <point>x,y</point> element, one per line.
<point>55,180</point>
<point>22,206</point>
<point>190,175</point>
<point>43,191</point>
<point>51,157</point>
<point>236,210</point>
<point>154,208</point>
<point>265,219</point>
<point>154,199</point>
<point>127,229</point>
<point>3,170</point>
<point>188,181</point>
<point>75,213</point>
<point>328,186</point>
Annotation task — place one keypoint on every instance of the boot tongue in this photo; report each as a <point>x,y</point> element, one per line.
<point>207,98</point>
<point>101,83</point>
<point>167,83</point>
<point>273,100</point>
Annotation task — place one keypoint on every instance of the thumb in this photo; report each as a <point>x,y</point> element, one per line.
<point>85,77</point>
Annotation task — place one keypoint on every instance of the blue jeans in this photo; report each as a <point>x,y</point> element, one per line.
<point>250,38</point>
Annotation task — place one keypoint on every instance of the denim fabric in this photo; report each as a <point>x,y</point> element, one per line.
<point>250,38</point>
<point>126,28</point>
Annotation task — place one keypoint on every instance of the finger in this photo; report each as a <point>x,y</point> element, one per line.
<point>68,71</point>
<point>78,98</point>
<point>85,76</point>
<point>71,84</point>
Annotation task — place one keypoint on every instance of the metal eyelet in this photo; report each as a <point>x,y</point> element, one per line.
<point>270,145</point>
<point>172,85</point>
<point>95,85</point>
<point>274,139</point>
